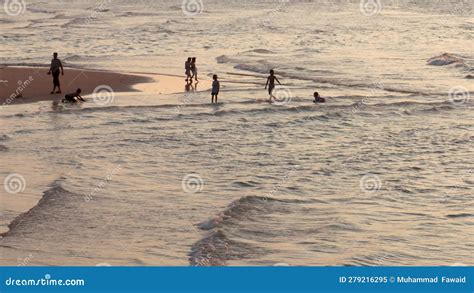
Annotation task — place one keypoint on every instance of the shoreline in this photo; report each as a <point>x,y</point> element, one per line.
<point>28,84</point>
<point>23,85</point>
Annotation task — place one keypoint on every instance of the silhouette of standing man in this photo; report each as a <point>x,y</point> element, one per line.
<point>55,69</point>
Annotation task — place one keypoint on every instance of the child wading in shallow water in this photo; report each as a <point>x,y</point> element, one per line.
<point>215,88</point>
<point>187,69</point>
<point>271,84</point>
<point>194,70</point>
<point>318,99</point>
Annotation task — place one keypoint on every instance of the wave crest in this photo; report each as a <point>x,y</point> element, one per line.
<point>446,59</point>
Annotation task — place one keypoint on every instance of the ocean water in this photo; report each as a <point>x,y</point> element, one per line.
<point>379,175</point>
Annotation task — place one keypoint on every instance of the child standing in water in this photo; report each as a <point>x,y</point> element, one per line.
<point>194,70</point>
<point>187,68</point>
<point>215,88</point>
<point>271,84</point>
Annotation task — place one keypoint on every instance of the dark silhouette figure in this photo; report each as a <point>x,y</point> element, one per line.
<point>271,83</point>
<point>318,98</point>
<point>56,68</point>
<point>73,97</point>
<point>215,88</point>
<point>194,70</point>
<point>187,68</point>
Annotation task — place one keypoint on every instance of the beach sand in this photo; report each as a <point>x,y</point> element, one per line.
<point>32,84</point>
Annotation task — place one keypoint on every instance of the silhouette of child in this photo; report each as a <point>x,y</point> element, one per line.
<point>271,83</point>
<point>187,68</point>
<point>194,70</point>
<point>318,98</point>
<point>73,97</point>
<point>215,88</point>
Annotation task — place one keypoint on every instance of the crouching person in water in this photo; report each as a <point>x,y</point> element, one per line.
<point>73,97</point>
<point>318,98</point>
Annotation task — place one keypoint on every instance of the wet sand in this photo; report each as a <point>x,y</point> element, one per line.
<point>32,84</point>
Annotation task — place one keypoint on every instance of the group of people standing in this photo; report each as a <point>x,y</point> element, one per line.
<point>56,69</point>
<point>191,69</point>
